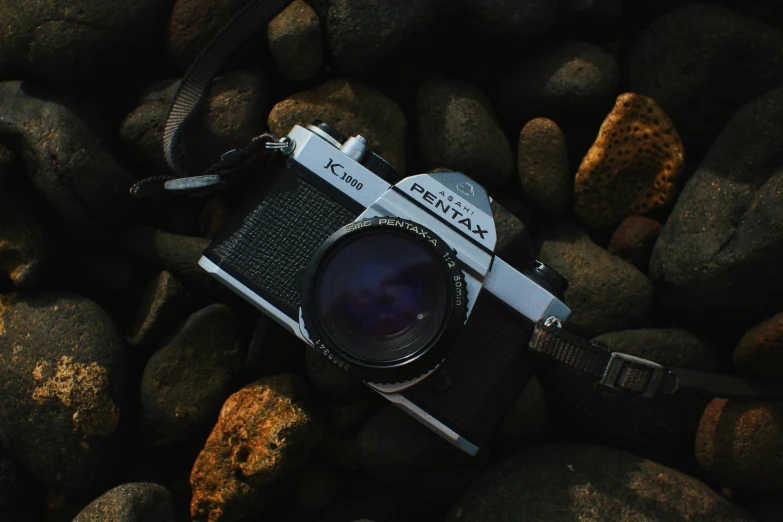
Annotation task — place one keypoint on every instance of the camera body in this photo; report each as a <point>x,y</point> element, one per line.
<point>397,285</point>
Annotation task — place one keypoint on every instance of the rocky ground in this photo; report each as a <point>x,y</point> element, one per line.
<point>634,146</point>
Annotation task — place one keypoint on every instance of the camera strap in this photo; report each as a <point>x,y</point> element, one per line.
<point>640,377</point>
<point>190,96</point>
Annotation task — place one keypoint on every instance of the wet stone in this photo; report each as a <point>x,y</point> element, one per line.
<point>717,258</point>
<point>294,37</point>
<point>567,482</point>
<point>61,399</point>
<point>133,502</point>
<point>542,166</point>
<point>605,293</point>
<point>245,464</point>
<point>79,41</point>
<point>78,179</point>
<point>164,305</point>
<point>457,127</point>
<point>187,380</point>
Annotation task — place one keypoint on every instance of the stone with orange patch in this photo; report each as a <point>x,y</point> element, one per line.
<point>739,444</point>
<point>760,351</point>
<point>633,166</point>
<point>263,435</point>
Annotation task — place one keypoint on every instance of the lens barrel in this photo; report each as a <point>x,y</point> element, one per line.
<point>383,298</point>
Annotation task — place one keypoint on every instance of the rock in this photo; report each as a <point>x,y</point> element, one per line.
<point>605,293</point>
<point>177,254</point>
<point>17,501</point>
<point>542,165</point>
<point>186,382</point>
<point>245,463</point>
<point>526,421</point>
<point>327,377</point>
<point>513,244</point>
<point>633,166</point>
<point>232,115</point>
<point>760,351</point>
<point>134,502</point>
<point>458,128</point>
<point>362,34</point>
<point>563,80</point>
<point>592,20</point>
<point>729,60</point>
<point>717,257</point>
<point>512,20</point>
<point>63,363</point>
<point>192,25</point>
<point>634,240</point>
<point>401,452</point>
<point>165,304</point>
<point>26,248</point>
<point>79,180</point>
<point>667,346</point>
<point>316,488</point>
<point>566,482</point>
<point>294,37</point>
<point>739,444</point>
<point>79,42</point>
<point>273,350</point>
<point>352,108</point>
<point>343,420</point>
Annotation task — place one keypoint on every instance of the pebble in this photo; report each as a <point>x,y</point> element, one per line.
<point>165,303</point>
<point>635,239</point>
<point>295,38</point>
<point>133,502</point>
<point>457,127</point>
<point>62,396</point>
<point>542,166</point>
<point>759,352</point>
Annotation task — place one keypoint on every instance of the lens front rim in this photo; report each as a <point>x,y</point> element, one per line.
<point>430,353</point>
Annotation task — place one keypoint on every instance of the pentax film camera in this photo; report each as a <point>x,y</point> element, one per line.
<point>397,285</point>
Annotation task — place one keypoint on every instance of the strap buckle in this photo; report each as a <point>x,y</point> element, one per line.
<point>620,361</point>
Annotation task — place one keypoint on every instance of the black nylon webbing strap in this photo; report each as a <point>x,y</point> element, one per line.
<point>636,376</point>
<point>195,83</point>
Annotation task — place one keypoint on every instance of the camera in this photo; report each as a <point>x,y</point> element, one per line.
<point>395,284</point>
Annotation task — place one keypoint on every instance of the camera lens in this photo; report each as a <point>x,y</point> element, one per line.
<point>381,296</point>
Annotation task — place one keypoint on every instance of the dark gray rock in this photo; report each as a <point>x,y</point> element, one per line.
<point>17,501</point>
<point>61,397</point>
<point>563,80</point>
<point>513,244</point>
<point>177,254</point>
<point>361,34</point>
<point>192,24</point>
<point>79,41</point>
<point>667,346</point>
<point>701,62</point>
<point>26,247</point>
<point>542,165</point>
<point>233,113</point>
<point>635,239</point>
<point>401,452</point>
<point>134,502</point>
<point>457,127</point>
<point>718,256</point>
<point>605,293</point>
<point>512,20</point>
<point>295,41</point>
<point>186,382</point>
<point>165,304</point>
<point>566,482</point>
<point>79,180</point>
<point>526,421</point>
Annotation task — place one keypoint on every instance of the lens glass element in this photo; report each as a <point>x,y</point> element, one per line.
<point>381,296</point>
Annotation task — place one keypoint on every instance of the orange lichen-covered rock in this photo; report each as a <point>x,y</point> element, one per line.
<point>262,436</point>
<point>633,165</point>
